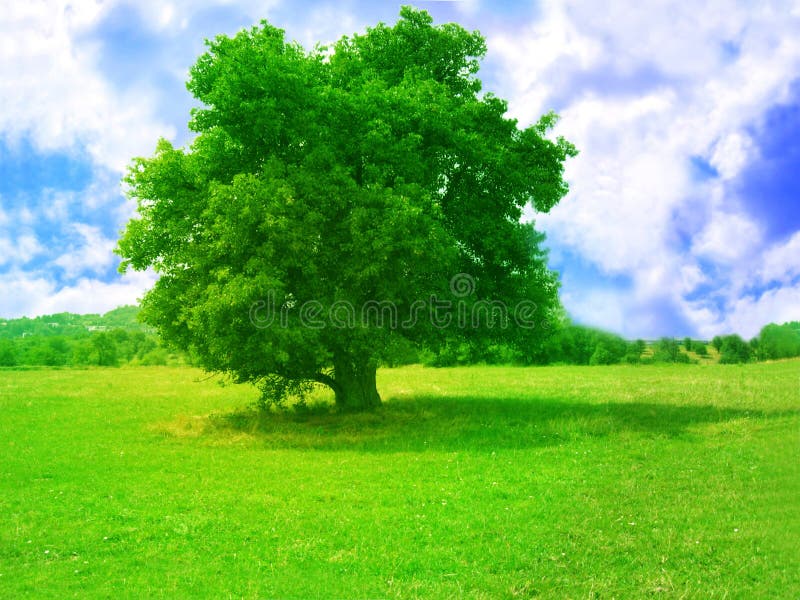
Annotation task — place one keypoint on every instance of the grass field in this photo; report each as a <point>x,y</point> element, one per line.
<point>480,482</point>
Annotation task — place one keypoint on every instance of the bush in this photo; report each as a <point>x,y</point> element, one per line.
<point>400,351</point>
<point>717,343</point>
<point>734,350</point>
<point>155,357</point>
<point>632,359</point>
<point>602,356</point>
<point>668,350</point>
<point>779,341</point>
<point>8,355</point>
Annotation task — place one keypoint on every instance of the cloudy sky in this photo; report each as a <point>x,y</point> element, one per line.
<point>684,211</point>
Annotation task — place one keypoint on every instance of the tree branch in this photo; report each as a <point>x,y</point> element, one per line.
<point>326,379</point>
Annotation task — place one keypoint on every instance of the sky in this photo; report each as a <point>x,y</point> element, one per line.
<point>683,216</point>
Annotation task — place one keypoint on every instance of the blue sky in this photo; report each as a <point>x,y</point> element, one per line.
<point>684,211</point>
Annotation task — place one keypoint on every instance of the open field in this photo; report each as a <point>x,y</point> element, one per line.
<point>483,482</point>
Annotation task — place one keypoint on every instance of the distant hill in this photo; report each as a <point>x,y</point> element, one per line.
<point>73,325</point>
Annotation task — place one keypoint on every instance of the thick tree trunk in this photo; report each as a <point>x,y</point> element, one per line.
<point>355,384</point>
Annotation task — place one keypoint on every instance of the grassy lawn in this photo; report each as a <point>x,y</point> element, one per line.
<point>480,482</point>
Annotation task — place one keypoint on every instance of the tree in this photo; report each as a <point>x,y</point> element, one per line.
<point>734,350</point>
<point>8,353</point>
<point>602,355</point>
<point>330,199</point>
<point>105,349</point>
<point>668,350</point>
<point>779,341</point>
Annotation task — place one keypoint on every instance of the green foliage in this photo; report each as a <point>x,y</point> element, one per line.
<point>687,344</point>
<point>717,343</point>
<point>700,349</point>
<point>70,325</point>
<point>668,350</point>
<point>456,351</point>
<point>66,339</point>
<point>566,344</point>
<point>779,341</point>
<point>371,171</point>
<point>578,345</point>
<point>8,353</point>
<point>154,357</point>
<point>632,358</point>
<point>400,351</point>
<point>105,349</point>
<point>602,355</point>
<point>734,349</point>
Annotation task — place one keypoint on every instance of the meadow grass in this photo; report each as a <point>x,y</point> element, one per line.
<point>477,482</point>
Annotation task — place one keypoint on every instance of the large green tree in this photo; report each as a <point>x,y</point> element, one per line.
<point>337,198</point>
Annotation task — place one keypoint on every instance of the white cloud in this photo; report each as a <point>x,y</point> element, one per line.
<point>730,154</point>
<point>34,294</point>
<point>534,62</point>
<point>166,17</point>
<point>710,73</point>
<point>782,262</point>
<point>93,254</point>
<point>52,92</point>
<point>20,250</point>
<point>728,238</point>
<point>22,292</point>
<point>606,306</point>
<point>324,25</point>
<point>748,315</point>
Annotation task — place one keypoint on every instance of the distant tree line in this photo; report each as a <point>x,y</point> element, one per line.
<point>66,339</point>
<point>118,338</point>
<point>568,344</point>
<point>578,345</point>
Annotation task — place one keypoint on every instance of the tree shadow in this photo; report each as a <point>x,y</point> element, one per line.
<point>465,423</point>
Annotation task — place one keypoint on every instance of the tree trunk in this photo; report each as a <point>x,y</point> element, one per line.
<point>355,383</point>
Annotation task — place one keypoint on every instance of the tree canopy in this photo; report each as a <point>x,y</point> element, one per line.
<point>335,199</point>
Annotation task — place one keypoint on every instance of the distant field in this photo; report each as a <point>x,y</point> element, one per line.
<point>478,482</point>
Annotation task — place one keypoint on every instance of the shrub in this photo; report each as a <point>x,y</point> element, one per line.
<point>668,350</point>
<point>8,355</point>
<point>632,359</point>
<point>155,357</point>
<point>602,356</point>
<point>734,350</point>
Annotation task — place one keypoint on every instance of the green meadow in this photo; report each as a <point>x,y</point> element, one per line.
<point>472,482</point>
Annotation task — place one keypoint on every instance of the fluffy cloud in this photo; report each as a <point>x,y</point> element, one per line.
<point>781,263</point>
<point>38,294</point>
<point>53,94</point>
<point>728,238</point>
<point>19,251</point>
<point>748,314</point>
<point>92,253</point>
<point>644,89</point>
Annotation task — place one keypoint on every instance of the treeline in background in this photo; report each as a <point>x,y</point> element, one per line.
<point>572,344</point>
<point>117,338</point>
<point>69,340</point>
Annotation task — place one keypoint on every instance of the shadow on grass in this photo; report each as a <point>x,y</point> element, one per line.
<point>467,423</point>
